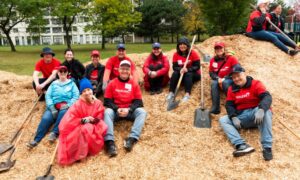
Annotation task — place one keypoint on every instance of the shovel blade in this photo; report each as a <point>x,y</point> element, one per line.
<point>202,118</point>
<point>45,177</point>
<point>5,147</point>
<point>207,58</point>
<point>172,104</point>
<point>5,166</point>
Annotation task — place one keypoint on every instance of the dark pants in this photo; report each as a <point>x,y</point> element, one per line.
<point>276,38</point>
<point>215,92</point>
<point>46,122</point>
<point>188,79</point>
<point>156,83</point>
<point>41,80</point>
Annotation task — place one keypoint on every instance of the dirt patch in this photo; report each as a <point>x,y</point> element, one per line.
<point>170,147</point>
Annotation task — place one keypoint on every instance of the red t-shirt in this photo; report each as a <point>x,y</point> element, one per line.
<point>181,60</point>
<point>94,75</point>
<point>226,68</point>
<point>123,93</point>
<point>113,64</point>
<point>253,15</point>
<point>248,97</point>
<point>46,68</point>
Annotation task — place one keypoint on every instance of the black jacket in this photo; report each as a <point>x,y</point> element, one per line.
<point>90,68</point>
<point>275,19</point>
<point>75,68</point>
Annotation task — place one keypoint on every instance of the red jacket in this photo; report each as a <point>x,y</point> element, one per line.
<point>113,64</point>
<point>214,66</point>
<point>257,21</point>
<point>162,64</point>
<point>193,64</point>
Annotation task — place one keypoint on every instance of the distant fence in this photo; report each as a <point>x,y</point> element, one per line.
<point>292,26</point>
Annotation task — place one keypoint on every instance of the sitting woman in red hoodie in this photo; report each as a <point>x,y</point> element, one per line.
<point>156,69</point>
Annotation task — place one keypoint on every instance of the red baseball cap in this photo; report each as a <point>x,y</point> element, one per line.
<point>219,44</point>
<point>95,53</point>
<point>61,68</point>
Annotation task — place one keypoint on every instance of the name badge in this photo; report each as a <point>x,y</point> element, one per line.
<point>180,62</point>
<point>128,86</point>
<point>215,65</point>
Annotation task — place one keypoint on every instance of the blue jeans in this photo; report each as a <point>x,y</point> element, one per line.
<point>215,92</point>
<point>247,121</point>
<point>139,116</point>
<point>276,38</point>
<point>46,122</point>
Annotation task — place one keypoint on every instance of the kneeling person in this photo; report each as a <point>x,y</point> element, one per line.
<point>123,99</point>
<point>248,105</point>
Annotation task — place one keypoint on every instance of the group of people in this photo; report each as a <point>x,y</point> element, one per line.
<point>84,125</point>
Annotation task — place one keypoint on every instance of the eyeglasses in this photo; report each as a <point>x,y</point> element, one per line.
<point>124,69</point>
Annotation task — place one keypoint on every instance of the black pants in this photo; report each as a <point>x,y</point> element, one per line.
<point>156,83</point>
<point>188,80</point>
<point>41,80</point>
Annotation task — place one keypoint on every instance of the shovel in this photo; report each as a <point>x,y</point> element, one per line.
<point>7,146</point>
<point>5,166</point>
<point>172,104</point>
<point>47,176</point>
<point>206,57</point>
<point>202,115</point>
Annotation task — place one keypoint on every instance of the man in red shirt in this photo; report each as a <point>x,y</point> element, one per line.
<point>94,72</point>
<point>220,68</point>
<point>47,65</point>
<point>112,66</point>
<point>248,105</point>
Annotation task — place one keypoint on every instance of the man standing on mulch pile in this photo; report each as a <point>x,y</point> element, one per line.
<point>123,100</point>
<point>248,105</point>
<point>47,66</point>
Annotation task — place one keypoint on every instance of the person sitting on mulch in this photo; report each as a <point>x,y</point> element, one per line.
<point>94,72</point>
<point>257,26</point>
<point>123,100</point>
<point>82,129</point>
<point>112,66</point>
<point>248,106</point>
<point>47,66</point>
<point>75,67</point>
<point>191,72</point>
<point>61,94</point>
<point>220,68</point>
<point>156,70</point>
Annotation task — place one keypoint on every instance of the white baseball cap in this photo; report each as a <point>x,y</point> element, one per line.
<point>262,2</point>
<point>125,62</point>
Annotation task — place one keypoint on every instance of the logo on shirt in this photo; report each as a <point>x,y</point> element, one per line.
<point>215,65</point>
<point>243,96</point>
<point>128,86</point>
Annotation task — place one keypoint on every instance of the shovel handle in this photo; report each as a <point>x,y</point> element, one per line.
<point>289,129</point>
<point>54,153</point>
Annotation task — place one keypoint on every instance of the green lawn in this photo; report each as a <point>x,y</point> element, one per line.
<point>22,62</point>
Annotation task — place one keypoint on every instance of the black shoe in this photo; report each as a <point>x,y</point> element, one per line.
<point>32,144</point>
<point>267,154</point>
<point>214,111</point>
<point>292,52</point>
<point>129,142</point>
<point>110,148</point>
<point>243,149</point>
<point>152,92</point>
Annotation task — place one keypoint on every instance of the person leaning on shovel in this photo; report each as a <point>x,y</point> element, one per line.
<point>220,68</point>
<point>248,105</point>
<point>47,66</point>
<point>61,94</point>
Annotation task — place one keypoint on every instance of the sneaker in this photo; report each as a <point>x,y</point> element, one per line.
<point>170,96</point>
<point>110,148</point>
<point>32,144</point>
<point>243,149</point>
<point>186,98</point>
<point>267,154</point>
<point>292,52</point>
<point>129,142</point>
<point>52,137</point>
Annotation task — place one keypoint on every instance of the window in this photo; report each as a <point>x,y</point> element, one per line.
<point>46,40</point>
<point>74,29</point>
<point>56,30</point>
<point>94,39</point>
<point>47,30</point>
<point>15,30</point>
<point>87,39</point>
<point>56,21</point>
<point>75,39</point>
<point>57,39</point>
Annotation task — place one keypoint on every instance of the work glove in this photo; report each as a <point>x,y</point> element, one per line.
<point>85,120</point>
<point>259,116</point>
<point>54,112</point>
<point>236,122</point>
<point>104,86</point>
<point>64,107</point>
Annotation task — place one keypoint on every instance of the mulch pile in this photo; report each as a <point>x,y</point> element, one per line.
<point>170,147</point>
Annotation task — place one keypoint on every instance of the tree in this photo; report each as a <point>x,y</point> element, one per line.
<point>225,17</point>
<point>193,21</point>
<point>66,11</point>
<point>13,12</point>
<point>112,18</point>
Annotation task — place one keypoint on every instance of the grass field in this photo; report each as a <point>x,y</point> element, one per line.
<point>22,62</point>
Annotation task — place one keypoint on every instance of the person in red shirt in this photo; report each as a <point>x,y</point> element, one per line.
<point>123,100</point>
<point>220,68</point>
<point>191,71</point>
<point>94,72</point>
<point>47,66</point>
<point>156,70</point>
<point>112,66</point>
<point>248,105</point>
<point>257,29</point>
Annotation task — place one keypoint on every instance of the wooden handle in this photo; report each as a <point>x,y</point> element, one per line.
<point>289,129</point>
<point>54,153</point>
